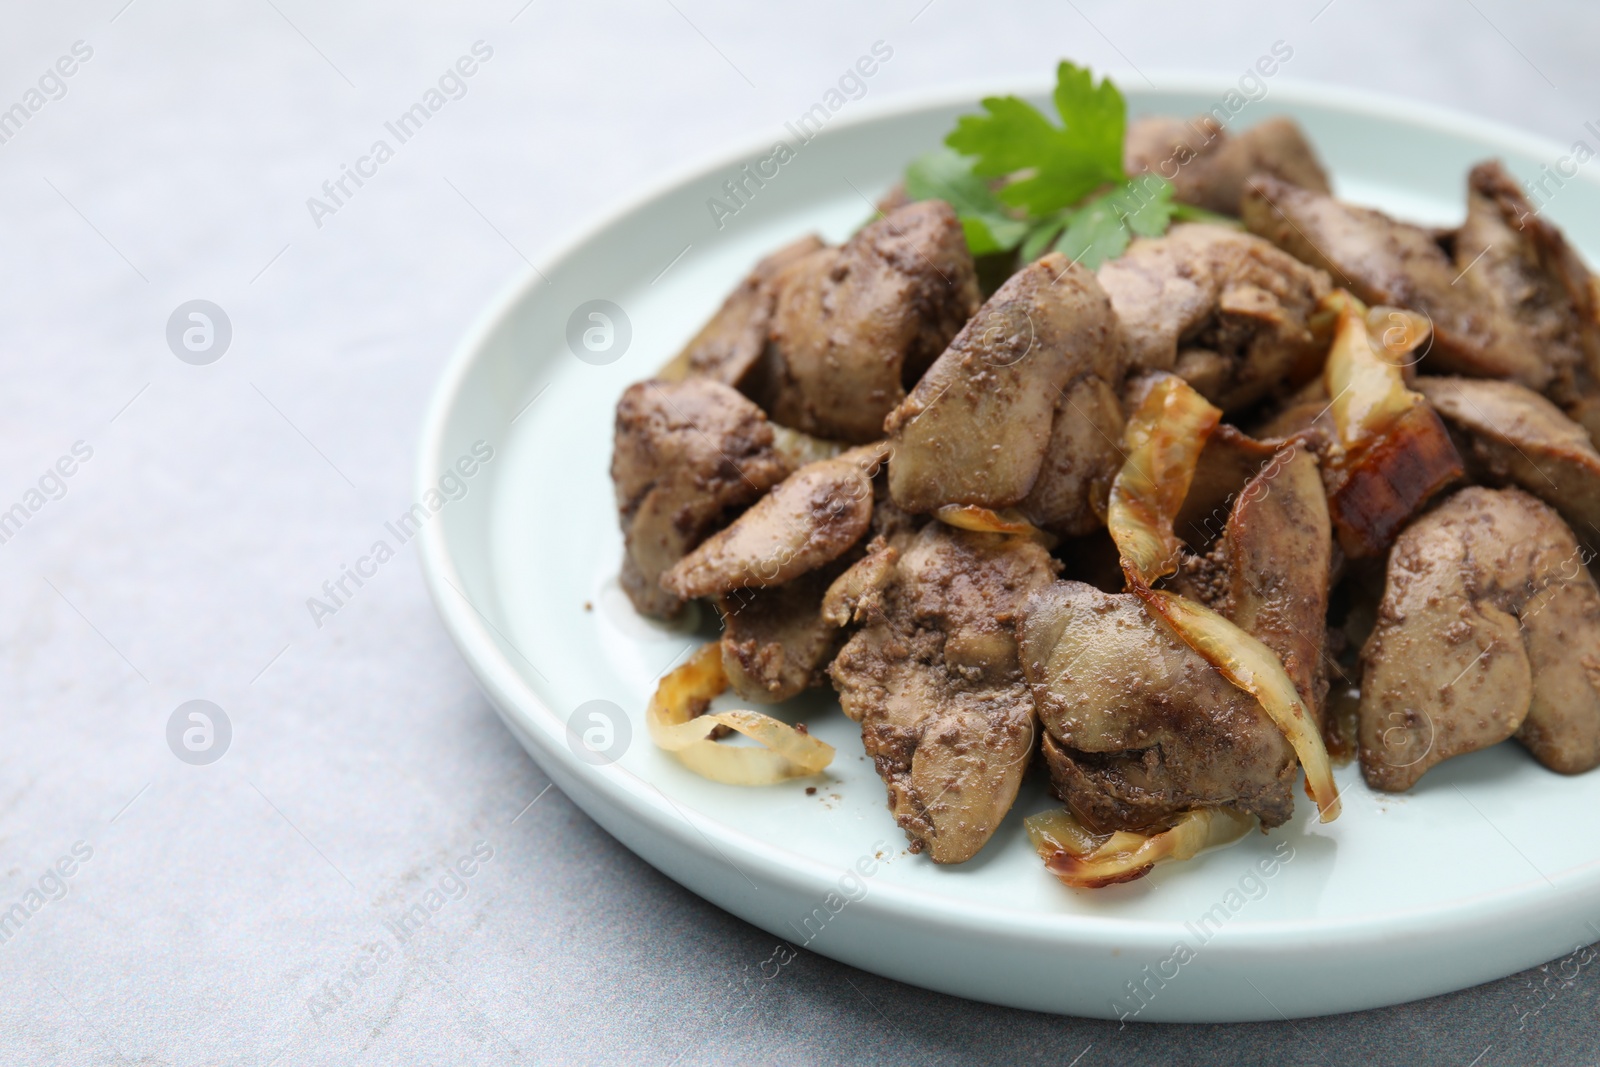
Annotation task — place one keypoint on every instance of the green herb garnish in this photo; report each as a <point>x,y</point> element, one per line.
<point>1016,178</point>
<point>945,175</point>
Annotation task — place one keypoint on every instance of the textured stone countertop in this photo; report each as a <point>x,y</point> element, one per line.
<point>210,910</point>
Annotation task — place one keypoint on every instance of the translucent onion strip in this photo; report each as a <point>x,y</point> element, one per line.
<point>1390,451</point>
<point>679,724</point>
<point>987,520</point>
<point>1092,861</point>
<point>1256,669</point>
<point>1364,373</point>
<point>1163,441</point>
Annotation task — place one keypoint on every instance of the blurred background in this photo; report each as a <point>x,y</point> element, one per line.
<point>228,889</point>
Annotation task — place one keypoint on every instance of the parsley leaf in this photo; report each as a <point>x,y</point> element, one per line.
<point>1182,212</point>
<point>1060,165</point>
<point>1146,204</point>
<point>1043,235</point>
<point>1094,235</point>
<point>945,175</point>
<point>1101,229</point>
<point>1016,178</point>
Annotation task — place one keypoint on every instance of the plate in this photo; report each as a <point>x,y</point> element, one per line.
<point>1489,866</point>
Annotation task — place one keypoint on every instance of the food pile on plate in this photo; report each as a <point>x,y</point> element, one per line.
<point>1129,455</point>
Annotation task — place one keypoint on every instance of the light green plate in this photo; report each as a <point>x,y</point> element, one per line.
<point>1491,865</point>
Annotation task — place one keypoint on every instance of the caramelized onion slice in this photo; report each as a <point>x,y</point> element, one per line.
<point>678,725</point>
<point>1092,861</point>
<point>1256,669</point>
<point>1164,439</point>
<point>1390,453</point>
<point>1163,442</point>
<point>987,520</point>
<point>1364,373</point>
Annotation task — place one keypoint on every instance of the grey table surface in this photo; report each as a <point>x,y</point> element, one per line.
<point>220,906</point>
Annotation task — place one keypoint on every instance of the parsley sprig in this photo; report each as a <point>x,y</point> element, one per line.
<point>1015,178</point>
